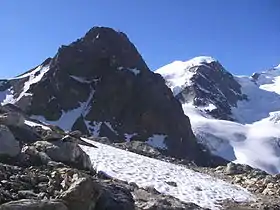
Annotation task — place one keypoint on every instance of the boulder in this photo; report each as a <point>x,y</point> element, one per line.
<point>8,144</point>
<point>31,156</point>
<point>29,204</point>
<point>66,152</point>
<point>233,169</point>
<point>12,119</point>
<point>114,197</point>
<point>76,134</point>
<point>82,194</point>
<point>51,135</point>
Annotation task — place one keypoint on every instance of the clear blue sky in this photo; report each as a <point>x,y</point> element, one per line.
<point>243,34</point>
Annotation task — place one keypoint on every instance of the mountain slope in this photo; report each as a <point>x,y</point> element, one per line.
<point>236,117</point>
<point>100,85</point>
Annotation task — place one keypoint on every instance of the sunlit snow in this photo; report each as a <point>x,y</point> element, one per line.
<point>192,186</point>
<point>254,138</point>
<point>66,121</point>
<point>135,71</point>
<point>178,74</point>
<point>34,124</point>
<point>33,77</point>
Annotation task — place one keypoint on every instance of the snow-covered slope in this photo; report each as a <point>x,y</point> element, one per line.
<point>192,186</point>
<point>28,79</point>
<point>252,135</point>
<point>179,79</point>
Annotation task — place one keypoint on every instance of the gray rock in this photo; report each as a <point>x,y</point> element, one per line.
<point>232,169</point>
<point>69,138</point>
<point>26,194</point>
<point>52,136</point>
<point>8,144</point>
<point>12,119</point>
<point>171,183</point>
<point>25,133</point>
<point>28,204</point>
<point>66,152</point>
<point>82,194</point>
<point>149,201</point>
<point>114,197</point>
<point>140,148</point>
<point>76,134</point>
<point>31,156</point>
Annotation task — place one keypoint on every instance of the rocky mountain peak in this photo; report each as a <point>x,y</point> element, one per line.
<point>205,83</point>
<point>101,86</point>
<point>100,46</point>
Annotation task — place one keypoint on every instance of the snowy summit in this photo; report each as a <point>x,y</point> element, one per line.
<point>236,117</point>
<point>179,73</point>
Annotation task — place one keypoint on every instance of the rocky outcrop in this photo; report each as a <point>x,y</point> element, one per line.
<point>255,180</point>
<point>8,144</point>
<point>67,152</point>
<point>115,196</point>
<point>82,194</point>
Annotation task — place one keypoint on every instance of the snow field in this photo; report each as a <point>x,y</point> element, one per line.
<point>192,186</point>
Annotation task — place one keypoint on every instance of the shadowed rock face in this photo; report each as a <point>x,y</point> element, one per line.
<point>105,80</point>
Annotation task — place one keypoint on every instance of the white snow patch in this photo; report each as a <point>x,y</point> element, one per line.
<point>33,78</point>
<point>66,121</point>
<point>94,127</point>
<point>135,71</point>
<point>277,67</point>
<point>148,172</point>
<point>29,74</point>
<point>6,96</point>
<point>260,101</point>
<point>128,137</point>
<point>86,105</point>
<point>157,141</point>
<point>274,86</point>
<point>210,107</point>
<point>33,124</point>
<point>81,79</point>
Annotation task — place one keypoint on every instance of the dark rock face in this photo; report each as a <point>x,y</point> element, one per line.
<point>212,84</point>
<point>104,87</point>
